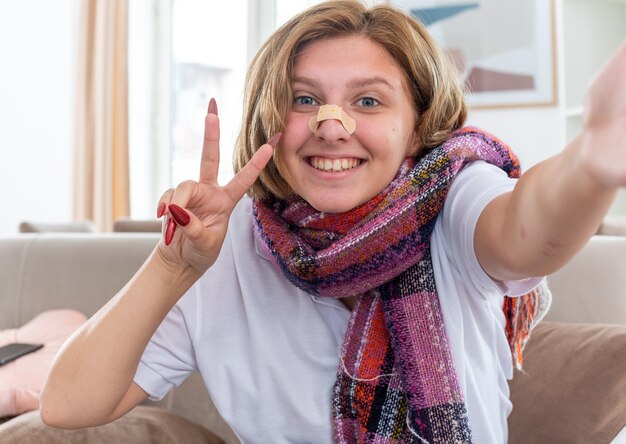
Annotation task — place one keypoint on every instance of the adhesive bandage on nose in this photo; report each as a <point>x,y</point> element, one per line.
<point>332,112</point>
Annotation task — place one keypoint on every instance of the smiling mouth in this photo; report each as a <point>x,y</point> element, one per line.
<point>334,165</point>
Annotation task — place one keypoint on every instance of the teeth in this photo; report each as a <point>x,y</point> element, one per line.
<point>335,165</point>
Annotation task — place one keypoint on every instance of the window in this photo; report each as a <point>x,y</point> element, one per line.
<point>209,59</point>
<point>182,53</point>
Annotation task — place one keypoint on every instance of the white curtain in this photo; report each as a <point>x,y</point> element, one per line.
<point>101,191</point>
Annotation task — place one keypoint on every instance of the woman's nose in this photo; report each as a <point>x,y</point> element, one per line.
<point>331,130</point>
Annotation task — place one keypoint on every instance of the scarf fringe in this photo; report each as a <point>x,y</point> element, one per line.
<point>522,314</point>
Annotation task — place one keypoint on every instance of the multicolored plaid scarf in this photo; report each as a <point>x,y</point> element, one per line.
<point>396,381</point>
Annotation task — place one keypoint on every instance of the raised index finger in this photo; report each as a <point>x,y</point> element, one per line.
<point>210,160</point>
<point>245,178</point>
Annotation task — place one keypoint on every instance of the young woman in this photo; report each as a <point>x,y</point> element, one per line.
<point>379,280</point>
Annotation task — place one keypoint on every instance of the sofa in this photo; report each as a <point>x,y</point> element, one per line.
<point>49,271</point>
<point>566,365</point>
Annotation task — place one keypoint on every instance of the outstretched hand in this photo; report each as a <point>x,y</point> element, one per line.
<point>604,131</point>
<point>197,213</point>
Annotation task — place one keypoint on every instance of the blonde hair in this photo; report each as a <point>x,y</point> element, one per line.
<point>431,79</point>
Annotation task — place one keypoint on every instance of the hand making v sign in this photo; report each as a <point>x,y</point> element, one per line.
<point>201,210</point>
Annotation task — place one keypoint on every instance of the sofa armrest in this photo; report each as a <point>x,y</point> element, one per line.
<point>70,227</point>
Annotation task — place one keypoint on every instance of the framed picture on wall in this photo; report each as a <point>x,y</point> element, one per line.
<point>504,50</point>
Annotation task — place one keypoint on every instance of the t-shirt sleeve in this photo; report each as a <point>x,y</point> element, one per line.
<point>473,188</point>
<point>169,357</point>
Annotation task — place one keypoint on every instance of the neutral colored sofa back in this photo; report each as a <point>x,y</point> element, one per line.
<point>84,270</point>
<point>50,271</point>
<point>591,288</point>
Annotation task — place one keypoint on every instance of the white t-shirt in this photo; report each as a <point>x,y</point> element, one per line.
<point>269,352</point>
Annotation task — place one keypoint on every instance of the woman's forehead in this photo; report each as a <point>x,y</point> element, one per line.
<point>356,57</point>
<point>353,61</point>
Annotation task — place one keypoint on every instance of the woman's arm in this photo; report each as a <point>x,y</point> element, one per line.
<point>90,381</point>
<point>558,204</point>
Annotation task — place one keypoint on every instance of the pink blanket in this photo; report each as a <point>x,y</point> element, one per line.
<point>21,380</point>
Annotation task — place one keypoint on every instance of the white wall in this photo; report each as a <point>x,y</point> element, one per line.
<point>534,134</point>
<point>37,46</point>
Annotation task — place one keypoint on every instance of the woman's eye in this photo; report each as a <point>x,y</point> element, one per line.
<point>368,102</point>
<point>305,100</point>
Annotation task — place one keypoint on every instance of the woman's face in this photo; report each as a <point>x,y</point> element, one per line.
<point>331,169</point>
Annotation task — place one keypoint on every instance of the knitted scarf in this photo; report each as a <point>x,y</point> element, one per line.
<point>396,380</point>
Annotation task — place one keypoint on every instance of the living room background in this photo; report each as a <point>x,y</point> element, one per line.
<point>38,41</point>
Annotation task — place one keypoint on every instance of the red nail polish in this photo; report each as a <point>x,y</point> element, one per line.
<point>161,209</point>
<point>212,107</point>
<point>180,216</point>
<point>169,232</point>
<point>274,140</point>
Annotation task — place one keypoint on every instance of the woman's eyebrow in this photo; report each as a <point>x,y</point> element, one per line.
<point>369,81</point>
<point>360,82</point>
<point>306,81</point>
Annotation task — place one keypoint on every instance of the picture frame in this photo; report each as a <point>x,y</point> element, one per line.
<point>504,50</point>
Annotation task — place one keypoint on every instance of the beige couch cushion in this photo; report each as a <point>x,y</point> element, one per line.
<point>573,385</point>
<point>142,425</point>
<point>591,288</point>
